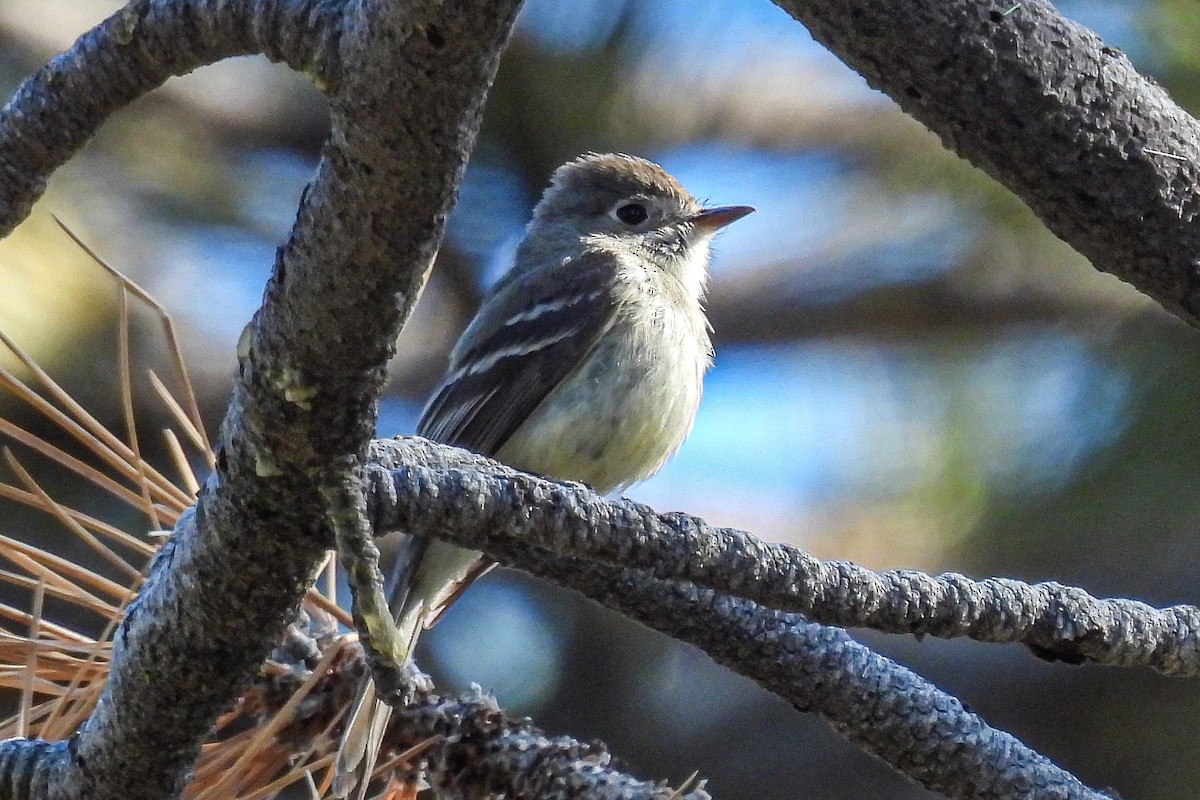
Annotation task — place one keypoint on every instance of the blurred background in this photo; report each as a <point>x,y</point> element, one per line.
<point>910,372</point>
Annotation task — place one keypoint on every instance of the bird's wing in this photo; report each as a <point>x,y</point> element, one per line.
<point>534,330</point>
<point>509,360</point>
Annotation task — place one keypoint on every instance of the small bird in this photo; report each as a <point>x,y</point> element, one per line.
<point>584,363</point>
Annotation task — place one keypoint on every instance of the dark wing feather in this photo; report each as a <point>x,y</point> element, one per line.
<point>537,331</point>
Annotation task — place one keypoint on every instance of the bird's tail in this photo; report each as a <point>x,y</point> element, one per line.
<point>361,741</point>
<point>427,575</point>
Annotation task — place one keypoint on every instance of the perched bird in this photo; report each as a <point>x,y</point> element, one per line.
<point>584,363</point>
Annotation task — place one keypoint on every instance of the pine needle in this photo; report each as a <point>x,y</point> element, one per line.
<point>13,549</point>
<point>74,419</point>
<point>126,384</point>
<point>179,458</point>
<point>140,547</point>
<point>686,786</point>
<point>281,718</point>
<point>57,512</point>
<point>75,703</point>
<point>35,633</point>
<point>26,618</point>
<point>174,496</point>
<point>172,341</point>
<point>288,779</point>
<point>195,436</point>
<point>58,673</point>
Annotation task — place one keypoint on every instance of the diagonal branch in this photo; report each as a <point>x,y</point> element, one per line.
<point>884,708</point>
<point>481,504</point>
<point>1101,154</point>
<point>527,522</point>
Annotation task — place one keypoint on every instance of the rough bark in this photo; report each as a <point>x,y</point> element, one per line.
<point>406,83</point>
<point>1100,153</point>
<point>479,503</point>
<point>888,710</point>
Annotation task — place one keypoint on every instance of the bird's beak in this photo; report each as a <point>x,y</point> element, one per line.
<point>712,219</point>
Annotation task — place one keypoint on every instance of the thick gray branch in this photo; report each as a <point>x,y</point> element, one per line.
<point>59,108</point>
<point>1101,154</point>
<point>883,707</point>
<point>406,83</point>
<point>479,503</point>
<point>886,709</point>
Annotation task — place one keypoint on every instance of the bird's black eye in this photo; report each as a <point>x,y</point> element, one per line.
<point>632,213</point>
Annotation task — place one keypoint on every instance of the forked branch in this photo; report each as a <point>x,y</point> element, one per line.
<point>406,83</point>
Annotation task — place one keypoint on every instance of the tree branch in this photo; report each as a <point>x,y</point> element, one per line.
<point>406,83</point>
<point>58,109</point>
<point>469,747</point>
<point>483,753</point>
<point>527,522</point>
<point>881,706</point>
<point>479,503</point>
<point>1101,154</point>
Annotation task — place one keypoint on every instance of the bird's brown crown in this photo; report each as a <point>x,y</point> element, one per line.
<point>600,178</point>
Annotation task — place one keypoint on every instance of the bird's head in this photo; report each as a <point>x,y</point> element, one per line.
<point>630,206</point>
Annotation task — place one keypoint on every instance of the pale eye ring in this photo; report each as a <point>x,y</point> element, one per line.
<point>631,213</point>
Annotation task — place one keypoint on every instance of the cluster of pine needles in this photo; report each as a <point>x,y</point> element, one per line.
<point>283,731</point>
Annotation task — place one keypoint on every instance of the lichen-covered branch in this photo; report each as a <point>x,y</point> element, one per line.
<point>1101,154</point>
<point>478,503</point>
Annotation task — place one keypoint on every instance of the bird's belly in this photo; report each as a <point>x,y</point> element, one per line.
<point>621,414</point>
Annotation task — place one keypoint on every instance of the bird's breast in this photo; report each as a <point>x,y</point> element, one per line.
<point>628,406</point>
